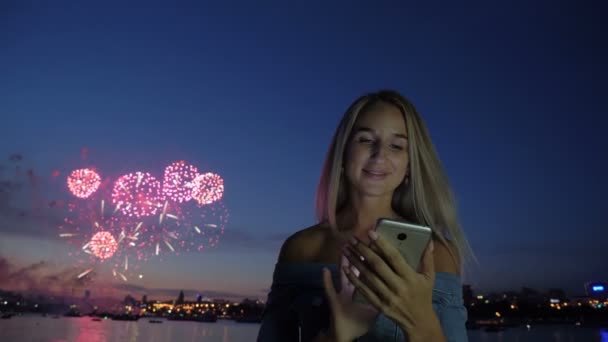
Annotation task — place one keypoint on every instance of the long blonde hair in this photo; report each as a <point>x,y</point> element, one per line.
<point>426,199</point>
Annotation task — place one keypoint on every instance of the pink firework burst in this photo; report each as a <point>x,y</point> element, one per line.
<point>207,188</point>
<point>102,245</point>
<point>137,194</point>
<point>85,218</point>
<point>160,234</point>
<point>83,182</point>
<point>177,181</point>
<point>204,225</point>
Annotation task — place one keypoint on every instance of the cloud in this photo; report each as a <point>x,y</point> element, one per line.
<point>21,216</point>
<point>44,278</point>
<point>153,293</point>
<point>580,250</point>
<point>39,277</point>
<point>23,209</point>
<point>239,239</point>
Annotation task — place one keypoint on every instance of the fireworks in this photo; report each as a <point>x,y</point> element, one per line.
<point>133,218</point>
<point>207,188</point>
<point>137,194</point>
<point>205,226</point>
<point>102,245</point>
<point>83,182</point>
<point>158,233</point>
<point>177,183</point>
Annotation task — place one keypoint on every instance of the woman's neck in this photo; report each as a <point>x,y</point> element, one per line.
<point>361,213</point>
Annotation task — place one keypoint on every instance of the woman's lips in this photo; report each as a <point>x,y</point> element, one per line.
<point>375,174</point>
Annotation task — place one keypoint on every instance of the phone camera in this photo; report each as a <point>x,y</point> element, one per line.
<point>401,236</point>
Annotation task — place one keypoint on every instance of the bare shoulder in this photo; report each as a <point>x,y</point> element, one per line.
<point>304,245</point>
<point>446,257</point>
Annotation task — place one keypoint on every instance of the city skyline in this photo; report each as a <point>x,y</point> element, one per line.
<point>511,97</point>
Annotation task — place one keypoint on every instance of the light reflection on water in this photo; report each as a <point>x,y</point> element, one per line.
<point>64,329</point>
<point>604,334</point>
<point>46,329</point>
<point>556,333</point>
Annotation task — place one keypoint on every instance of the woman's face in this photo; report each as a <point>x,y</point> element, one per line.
<point>377,155</point>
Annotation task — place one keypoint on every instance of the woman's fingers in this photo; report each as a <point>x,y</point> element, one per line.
<point>330,290</point>
<point>391,255</point>
<point>367,275</point>
<point>347,287</point>
<point>376,264</point>
<point>427,264</point>
<point>368,293</point>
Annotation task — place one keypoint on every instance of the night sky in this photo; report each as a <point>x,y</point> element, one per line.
<point>514,96</point>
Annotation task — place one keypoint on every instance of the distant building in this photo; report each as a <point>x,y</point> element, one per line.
<point>597,290</point>
<point>557,294</point>
<point>180,298</point>
<point>467,294</point>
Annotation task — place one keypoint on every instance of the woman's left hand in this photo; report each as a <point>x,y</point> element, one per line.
<point>391,285</point>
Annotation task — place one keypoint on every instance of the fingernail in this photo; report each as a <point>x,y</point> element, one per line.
<point>353,241</point>
<point>373,235</point>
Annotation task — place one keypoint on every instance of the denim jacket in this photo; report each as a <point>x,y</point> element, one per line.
<point>296,309</point>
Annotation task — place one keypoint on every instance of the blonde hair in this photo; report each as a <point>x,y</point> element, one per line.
<point>426,199</point>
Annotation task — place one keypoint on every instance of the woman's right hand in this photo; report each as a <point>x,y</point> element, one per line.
<point>349,319</point>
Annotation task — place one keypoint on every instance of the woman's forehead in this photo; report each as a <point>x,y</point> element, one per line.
<point>381,118</point>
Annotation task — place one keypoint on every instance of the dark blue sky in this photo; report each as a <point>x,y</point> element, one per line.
<point>513,94</point>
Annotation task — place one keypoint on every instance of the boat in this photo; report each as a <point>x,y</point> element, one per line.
<point>72,313</point>
<point>155,321</point>
<point>249,319</point>
<point>7,316</point>
<point>472,326</point>
<point>494,328</point>
<point>208,317</point>
<point>96,319</point>
<point>125,317</point>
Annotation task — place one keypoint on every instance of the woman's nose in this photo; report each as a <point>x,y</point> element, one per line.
<point>379,152</point>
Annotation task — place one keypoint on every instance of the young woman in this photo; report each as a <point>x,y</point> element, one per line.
<point>381,164</point>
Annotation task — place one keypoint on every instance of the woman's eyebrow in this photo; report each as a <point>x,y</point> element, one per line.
<point>367,129</point>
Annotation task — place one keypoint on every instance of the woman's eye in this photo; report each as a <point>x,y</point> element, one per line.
<point>365,140</point>
<point>397,147</point>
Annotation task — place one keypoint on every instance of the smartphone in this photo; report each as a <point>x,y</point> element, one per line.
<point>408,238</point>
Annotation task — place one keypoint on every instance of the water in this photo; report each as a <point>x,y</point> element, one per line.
<point>541,334</point>
<point>83,329</point>
<point>47,329</point>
